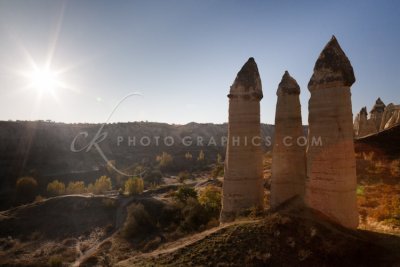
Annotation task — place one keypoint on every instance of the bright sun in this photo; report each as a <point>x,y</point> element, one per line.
<point>44,80</point>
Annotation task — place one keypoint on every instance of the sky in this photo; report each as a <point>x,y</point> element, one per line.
<point>181,56</point>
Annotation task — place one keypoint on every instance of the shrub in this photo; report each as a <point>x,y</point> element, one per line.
<point>56,188</point>
<point>153,177</point>
<point>134,186</point>
<point>55,262</point>
<point>360,190</point>
<point>26,188</point>
<point>164,160</point>
<point>217,171</point>
<point>194,215</point>
<point>210,198</point>
<point>102,185</point>
<point>183,176</point>
<point>138,223</point>
<point>184,193</point>
<point>201,156</point>
<point>76,188</point>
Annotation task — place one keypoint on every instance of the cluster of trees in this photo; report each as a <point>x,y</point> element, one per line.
<point>191,211</point>
<point>101,185</point>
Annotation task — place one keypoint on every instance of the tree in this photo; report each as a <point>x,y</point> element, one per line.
<point>188,156</point>
<point>26,188</point>
<point>134,186</point>
<point>201,156</point>
<point>164,160</point>
<point>56,188</point>
<point>210,198</point>
<point>102,185</point>
<point>76,188</point>
<point>184,193</point>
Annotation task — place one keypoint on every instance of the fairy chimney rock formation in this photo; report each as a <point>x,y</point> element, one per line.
<point>243,183</point>
<point>390,117</point>
<point>377,112</point>
<point>331,168</point>
<point>288,157</point>
<point>363,125</point>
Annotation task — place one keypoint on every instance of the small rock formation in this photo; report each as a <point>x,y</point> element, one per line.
<point>377,112</point>
<point>288,157</point>
<point>363,125</point>
<point>331,167</point>
<point>243,183</point>
<point>390,117</point>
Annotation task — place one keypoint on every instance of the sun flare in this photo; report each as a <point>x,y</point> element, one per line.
<point>44,80</point>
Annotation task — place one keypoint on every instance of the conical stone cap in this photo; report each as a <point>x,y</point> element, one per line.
<point>288,85</point>
<point>247,84</point>
<point>332,67</point>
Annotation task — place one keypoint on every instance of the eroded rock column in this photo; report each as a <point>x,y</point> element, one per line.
<point>288,157</point>
<point>331,167</point>
<point>243,183</point>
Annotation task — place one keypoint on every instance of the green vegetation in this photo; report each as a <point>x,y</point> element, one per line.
<point>102,185</point>
<point>138,222</point>
<point>164,160</point>
<point>210,198</point>
<point>134,186</point>
<point>76,188</point>
<point>56,188</point>
<point>184,193</point>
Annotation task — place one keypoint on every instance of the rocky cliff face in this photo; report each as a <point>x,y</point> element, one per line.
<point>390,117</point>
<point>331,173</point>
<point>243,183</point>
<point>288,157</point>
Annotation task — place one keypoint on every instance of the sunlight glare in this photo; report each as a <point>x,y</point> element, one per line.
<point>44,80</point>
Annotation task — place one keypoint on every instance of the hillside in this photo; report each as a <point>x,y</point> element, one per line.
<point>385,143</point>
<point>45,147</point>
<point>298,237</point>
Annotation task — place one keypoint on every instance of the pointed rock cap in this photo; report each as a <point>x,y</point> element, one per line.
<point>363,111</point>
<point>379,106</point>
<point>247,84</point>
<point>332,67</point>
<point>288,85</point>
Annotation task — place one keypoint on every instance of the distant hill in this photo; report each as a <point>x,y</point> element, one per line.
<point>44,148</point>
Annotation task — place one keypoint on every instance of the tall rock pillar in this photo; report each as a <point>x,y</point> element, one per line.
<point>288,157</point>
<point>331,168</point>
<point>243,181</point>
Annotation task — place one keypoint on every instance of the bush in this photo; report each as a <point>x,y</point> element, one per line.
<point>138,223</point>
<point>194,215</point>
<point>134,186</point>
<point>102,185</point>
<point>210,198</point>
<point>26,188</point>
<point>56,188</point>
<point>55,262</point>
<point>218,171</point>
<point>76,188</point>
<point>164,160</point>
<point>153,177</point>
<point>184,193</point>
<point>183,176</point>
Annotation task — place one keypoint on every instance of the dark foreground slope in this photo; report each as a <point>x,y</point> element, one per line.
<point>282,239</point>
<point>385,143</point>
